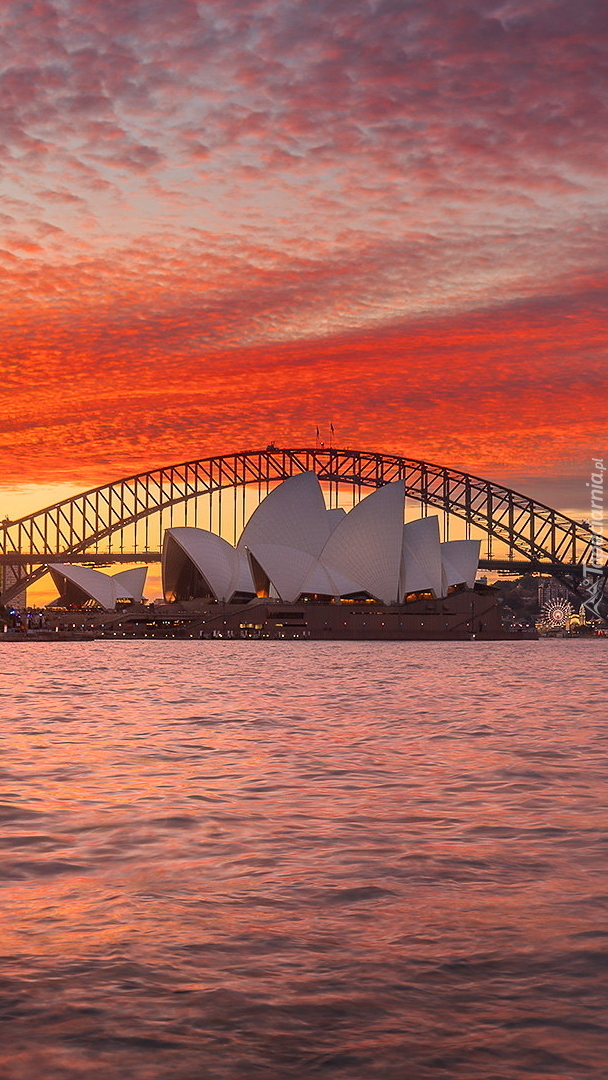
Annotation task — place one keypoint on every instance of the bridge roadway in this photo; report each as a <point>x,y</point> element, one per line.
<point>514,567</point>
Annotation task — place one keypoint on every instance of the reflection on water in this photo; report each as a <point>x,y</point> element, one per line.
<point>249,860</point>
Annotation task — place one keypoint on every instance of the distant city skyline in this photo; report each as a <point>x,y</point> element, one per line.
<point>225,224</point>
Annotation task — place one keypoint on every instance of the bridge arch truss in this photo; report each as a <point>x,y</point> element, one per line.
<point>124,520</point>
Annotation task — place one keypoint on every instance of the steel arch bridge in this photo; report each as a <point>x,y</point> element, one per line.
<point>114,523</point>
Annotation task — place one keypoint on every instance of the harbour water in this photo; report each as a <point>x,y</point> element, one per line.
<point>268,860</point>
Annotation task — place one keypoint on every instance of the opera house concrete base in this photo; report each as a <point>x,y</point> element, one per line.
<point>461,616</point>
<point>458,616</point>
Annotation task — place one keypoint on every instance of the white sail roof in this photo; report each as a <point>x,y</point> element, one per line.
<point>292,515</point>
<point>104,589</point>
<point>460,559</point>
<point>287,531</point>
<point>129,584</point>
<point>421,560</point>
<point>286,568</point>
<point>334,516</point>
<point>324,582</point>
<point>224,570</point>
<point>243,580</point>
<point>366,544</point>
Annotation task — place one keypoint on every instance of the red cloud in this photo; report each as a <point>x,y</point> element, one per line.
<point>240,217</point>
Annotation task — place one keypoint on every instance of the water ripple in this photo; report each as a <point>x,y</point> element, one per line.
<point>265,861</point>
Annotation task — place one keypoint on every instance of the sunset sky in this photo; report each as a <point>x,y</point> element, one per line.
<point>228,222</point>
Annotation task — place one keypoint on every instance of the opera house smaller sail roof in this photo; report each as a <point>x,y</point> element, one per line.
<point>293,545</point>
<point>421,568</point>
<point>198,563</point>
<point>81,585</point>
<point>459,560</point>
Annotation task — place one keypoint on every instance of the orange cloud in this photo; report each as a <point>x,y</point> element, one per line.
<point>468,389</point>
<point>231,222</point>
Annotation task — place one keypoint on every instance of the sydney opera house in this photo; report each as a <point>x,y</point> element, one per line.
<point>81,586</point>
<point>300,570</point>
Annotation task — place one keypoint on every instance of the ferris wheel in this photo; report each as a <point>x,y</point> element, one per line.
<point>556,614</point>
